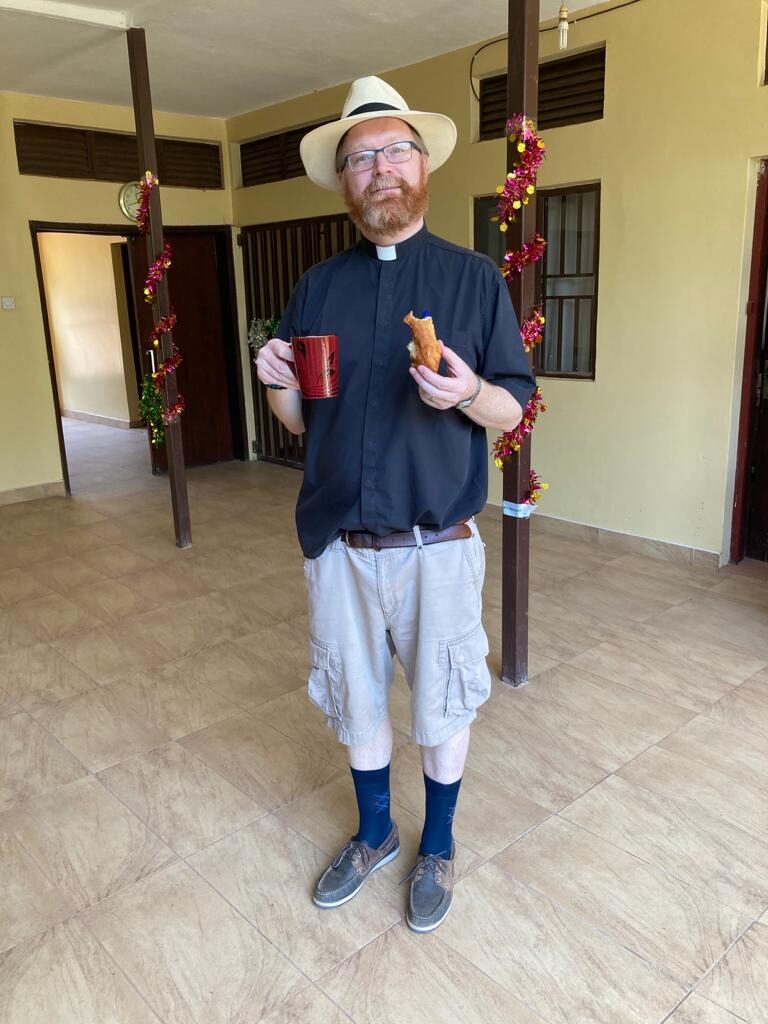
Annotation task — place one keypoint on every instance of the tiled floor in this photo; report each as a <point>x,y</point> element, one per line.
<point>168,795</point>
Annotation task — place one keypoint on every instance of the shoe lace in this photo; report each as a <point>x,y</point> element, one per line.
<point>356,852</point>
<point>430,864</point>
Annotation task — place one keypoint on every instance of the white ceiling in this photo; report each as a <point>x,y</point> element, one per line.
<point>225,57</point>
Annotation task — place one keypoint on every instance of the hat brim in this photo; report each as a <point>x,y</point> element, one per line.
<point>318,147</point>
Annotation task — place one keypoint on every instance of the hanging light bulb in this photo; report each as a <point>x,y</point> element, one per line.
<point>562,26</point>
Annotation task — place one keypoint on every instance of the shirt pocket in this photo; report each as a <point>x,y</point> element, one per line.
<point>467,345</point>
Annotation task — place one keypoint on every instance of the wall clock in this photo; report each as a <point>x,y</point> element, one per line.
<point>128,199</point>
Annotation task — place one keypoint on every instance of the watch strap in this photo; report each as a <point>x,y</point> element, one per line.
<point>468,401</point>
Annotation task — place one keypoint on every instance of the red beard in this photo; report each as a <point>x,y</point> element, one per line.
<point>385,215</point>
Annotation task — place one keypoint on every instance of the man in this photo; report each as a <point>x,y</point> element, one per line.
<point>395,469</point>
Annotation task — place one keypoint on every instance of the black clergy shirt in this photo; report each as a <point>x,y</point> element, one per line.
<point>376,457</point>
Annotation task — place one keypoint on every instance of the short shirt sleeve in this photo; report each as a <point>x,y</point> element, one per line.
<point>505,362</point>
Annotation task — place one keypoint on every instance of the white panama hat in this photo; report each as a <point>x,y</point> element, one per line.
<point>369,98</point>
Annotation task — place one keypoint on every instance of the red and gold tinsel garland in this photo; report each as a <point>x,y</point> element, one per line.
<point>173,412</point>
<point>146,185</point>
<point>512,440</point>
<point>154,405</point>
<point>167,367</point>
<point>521,180</point>
<point>532,329</point>
<point>535,487</point>
<point>514,194</point>
<point>164,324</point>
<point>157,270</point>
<point>516,260</point>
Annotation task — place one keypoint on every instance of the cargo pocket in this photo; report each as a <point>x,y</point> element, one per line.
<point>325,677</point>
<point>468,682</point>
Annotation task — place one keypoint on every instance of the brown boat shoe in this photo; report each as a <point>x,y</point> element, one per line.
<point>431,891</point>
<point>350,869</point>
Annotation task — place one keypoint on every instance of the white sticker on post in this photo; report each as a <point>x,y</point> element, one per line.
<point>524,511</point>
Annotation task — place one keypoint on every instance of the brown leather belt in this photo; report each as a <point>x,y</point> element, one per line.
<point>363,539</point>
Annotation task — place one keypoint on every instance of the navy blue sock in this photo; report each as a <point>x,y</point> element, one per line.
<point>437,836</point>
<point>372,792</point>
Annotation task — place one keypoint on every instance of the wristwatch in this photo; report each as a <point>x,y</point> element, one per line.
<point>468,401</point>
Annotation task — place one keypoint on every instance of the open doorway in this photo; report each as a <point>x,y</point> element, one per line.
<point>86,294</point>
<point>91,281</point>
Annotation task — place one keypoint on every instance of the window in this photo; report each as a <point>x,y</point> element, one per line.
<point>54,151</point>
<point>571,91</point>
<point>273,158</point>
<point>569,219</point>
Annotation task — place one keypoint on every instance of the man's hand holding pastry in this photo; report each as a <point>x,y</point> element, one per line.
<point>440,392</point>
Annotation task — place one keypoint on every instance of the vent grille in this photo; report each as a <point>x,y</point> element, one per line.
<point>189,164</point>
<point>274,158</point>
<point>571,91</point>
<point>53,151</point>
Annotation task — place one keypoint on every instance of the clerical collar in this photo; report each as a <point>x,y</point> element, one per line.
<point>387,253</point>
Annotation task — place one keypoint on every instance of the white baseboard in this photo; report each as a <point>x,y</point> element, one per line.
<point>104,421</point>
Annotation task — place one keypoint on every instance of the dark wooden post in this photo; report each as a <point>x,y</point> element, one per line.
<point>145,135</point>
<point>522,98</point>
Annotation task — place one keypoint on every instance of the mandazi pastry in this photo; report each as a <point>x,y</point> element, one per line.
<point>423,347</point>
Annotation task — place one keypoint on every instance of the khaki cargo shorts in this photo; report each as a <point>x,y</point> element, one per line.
<point>422,604</point>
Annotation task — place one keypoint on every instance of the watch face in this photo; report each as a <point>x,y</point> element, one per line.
<point>129,199</point>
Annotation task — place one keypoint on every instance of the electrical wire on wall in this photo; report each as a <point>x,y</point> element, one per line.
<point>550,28</point>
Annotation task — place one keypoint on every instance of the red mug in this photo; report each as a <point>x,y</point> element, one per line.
<point>317,365</point>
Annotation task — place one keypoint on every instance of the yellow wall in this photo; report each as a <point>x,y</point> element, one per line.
<point>29,453</point>
<point>647,448</point>
<point>85,331</point>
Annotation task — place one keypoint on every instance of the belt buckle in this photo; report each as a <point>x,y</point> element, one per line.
<point>376,542</point>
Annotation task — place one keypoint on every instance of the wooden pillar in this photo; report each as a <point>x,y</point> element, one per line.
<point>522,98</point>
<point>145,135</point>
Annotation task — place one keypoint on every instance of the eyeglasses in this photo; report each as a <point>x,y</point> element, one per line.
<point>394,153</point>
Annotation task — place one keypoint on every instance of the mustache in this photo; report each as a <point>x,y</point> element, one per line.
<point>386,181</point>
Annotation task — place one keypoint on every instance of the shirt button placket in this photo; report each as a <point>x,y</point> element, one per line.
<point>374,427</point>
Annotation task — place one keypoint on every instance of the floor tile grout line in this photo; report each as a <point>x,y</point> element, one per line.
<point>665,871</point>
<point>251,924</point>
<point>731,822</point>
<point>711,968</point>
<point>330,998</point>
<point>263,814</point>
<point>481,970</point>
<point>595,928</point>
<point>124,974</point>
<point>620,686</point>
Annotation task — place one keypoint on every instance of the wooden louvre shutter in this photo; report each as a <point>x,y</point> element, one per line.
<point>571,91</point>
<point>275,157</point>
<point>293,167</point>
<point>261,161</point>
<point>188,164</point>
<point>48,150</point>
<point>55,151</point>
<point>115,156</point>
<point>493,107</point>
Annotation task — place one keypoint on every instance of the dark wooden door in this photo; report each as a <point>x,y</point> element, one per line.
<point>206,377</point>
<point>757,487</point>
<point>274,258</point>
<point>749,535</point>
